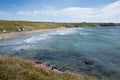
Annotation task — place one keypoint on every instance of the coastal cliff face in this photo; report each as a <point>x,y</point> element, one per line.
<point>12,68</point>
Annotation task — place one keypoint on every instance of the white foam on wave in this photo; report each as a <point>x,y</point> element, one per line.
<point>84,33</point>
<point>34,39</point>
<point>49,35</point>
<point>22,47</point>
<point>80,28</point>
<point>64,32</point>
<point>11,42</point>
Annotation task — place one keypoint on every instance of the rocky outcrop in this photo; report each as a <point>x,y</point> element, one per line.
<point>43,67</point>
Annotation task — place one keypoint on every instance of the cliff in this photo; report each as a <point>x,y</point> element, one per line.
<point>13,68</point>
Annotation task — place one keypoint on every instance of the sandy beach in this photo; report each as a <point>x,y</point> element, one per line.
<point>10,35</point>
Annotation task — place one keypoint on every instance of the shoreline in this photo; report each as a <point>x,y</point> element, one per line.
<point>4,36</point>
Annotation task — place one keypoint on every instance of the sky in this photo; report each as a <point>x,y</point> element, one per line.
<point>61,10</point>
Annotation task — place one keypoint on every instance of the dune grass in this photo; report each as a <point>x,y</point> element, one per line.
<point>13,68</point>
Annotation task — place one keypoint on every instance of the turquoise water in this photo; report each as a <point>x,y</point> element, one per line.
<point>69,48</point>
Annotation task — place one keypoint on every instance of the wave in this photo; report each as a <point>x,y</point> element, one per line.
<point>84,33</point>
<point>34,39</point>
<point>49,35</point>
<point>22,47</point>
<point>65,32</point>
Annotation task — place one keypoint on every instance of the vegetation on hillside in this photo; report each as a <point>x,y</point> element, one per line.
<point>12,68</point>
<point>14,25</point>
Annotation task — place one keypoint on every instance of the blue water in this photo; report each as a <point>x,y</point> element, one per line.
<point>69,48</point>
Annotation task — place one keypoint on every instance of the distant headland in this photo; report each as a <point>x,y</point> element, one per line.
<point>30,25</point>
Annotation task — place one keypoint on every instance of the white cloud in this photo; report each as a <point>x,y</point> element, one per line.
<point>70,11</point>
<point>77,13</point>
<point>3,13</point>
<point>25,13</point>
<point>13,5</point>
<point>111,9</point>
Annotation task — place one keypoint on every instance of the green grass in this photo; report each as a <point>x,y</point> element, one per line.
<point>13,68</point>
<point>14,25</point>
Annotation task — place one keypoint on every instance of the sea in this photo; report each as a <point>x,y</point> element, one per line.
<point>92,51</point>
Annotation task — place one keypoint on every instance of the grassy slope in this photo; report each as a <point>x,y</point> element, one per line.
<point>12,68</point>
<point>14,25</point>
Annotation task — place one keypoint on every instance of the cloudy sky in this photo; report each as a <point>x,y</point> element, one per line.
<point>61,10</point>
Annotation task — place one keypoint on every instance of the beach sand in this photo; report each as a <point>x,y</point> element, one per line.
<point>10,35</point>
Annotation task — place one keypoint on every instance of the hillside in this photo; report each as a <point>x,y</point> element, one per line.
<point>29,25</point>
<point>14,25</point>
<point>12,68</point>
